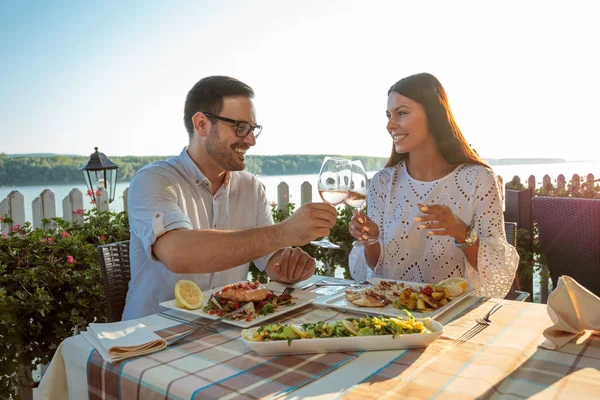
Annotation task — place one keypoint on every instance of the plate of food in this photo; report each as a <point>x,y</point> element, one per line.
<point>350,334</point>
<point>267,301</point>
<point>388,297</point>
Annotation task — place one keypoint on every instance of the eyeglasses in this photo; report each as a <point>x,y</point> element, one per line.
<point>242,128</point>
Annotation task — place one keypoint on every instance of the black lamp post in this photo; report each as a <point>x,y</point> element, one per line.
<point>100,172</point>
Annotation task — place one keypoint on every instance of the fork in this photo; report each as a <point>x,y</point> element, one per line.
<point>205,326</point>
<point>333,283</point>
<point>287,290</point>
<point>185,321</point>
<point>482,323</point>
<point>486,318</point>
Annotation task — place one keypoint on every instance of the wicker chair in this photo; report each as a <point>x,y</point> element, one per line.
<point>569,230</point>
<point>114,260</point>
<point>515,293</point>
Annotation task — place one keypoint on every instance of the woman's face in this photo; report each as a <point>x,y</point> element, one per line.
<point>407,124</point>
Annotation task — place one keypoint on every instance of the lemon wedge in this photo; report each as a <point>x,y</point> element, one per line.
<point>454,286</point>
<point>299,331</point>
<point>188,295</point>
<point>349,327</point>
<point>248,334</point>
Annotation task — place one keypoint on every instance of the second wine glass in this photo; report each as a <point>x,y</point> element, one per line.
<point>334,183</point>
<point>359,190</point>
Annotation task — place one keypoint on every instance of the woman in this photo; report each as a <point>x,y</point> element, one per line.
<point>436,206</point>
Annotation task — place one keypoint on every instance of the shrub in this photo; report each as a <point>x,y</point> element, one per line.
<point>50,286</point>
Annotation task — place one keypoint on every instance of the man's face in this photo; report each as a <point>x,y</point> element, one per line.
<point>222,144</point>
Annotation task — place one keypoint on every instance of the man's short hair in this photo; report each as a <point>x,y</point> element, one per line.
<point>207,96</point>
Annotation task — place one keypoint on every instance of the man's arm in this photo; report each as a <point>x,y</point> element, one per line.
<point>210,250</point>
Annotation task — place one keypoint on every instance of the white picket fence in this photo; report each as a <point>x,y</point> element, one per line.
<point>44,206</point>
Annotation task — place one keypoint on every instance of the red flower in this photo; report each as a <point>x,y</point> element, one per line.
<point>98,192</point>
<point>4,235</point>
<point>70,260</point>
<point>79,211</point>
<point>65,234</point>
<point>16,228</point>
<point>90,193</point>
<point>102,238</point>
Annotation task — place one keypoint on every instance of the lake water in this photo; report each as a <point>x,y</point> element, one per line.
<point>295,181</point>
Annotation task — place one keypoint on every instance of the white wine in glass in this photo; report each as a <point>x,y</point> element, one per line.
<point>334,183</point>
<point>358,194</point>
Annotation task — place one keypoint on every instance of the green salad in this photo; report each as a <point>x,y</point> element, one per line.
<point>365,326</point>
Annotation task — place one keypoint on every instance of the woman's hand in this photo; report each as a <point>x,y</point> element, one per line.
<point>362,227</point>
<point>441,221</point>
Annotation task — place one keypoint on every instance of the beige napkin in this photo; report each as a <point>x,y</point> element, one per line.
<point>120,340</point>
<point>573,309</point>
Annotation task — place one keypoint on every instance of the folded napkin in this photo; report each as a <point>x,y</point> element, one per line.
<point>120,340</point>
<point>573,309</point>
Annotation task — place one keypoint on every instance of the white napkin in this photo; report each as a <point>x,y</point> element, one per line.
<point>573,309</point>
<point>120,340</point>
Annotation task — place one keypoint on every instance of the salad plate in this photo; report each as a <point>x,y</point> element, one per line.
<point>340,302</point>
<point>351,343</point>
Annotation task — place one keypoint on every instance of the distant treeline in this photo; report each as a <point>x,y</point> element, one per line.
<point>60,169</point>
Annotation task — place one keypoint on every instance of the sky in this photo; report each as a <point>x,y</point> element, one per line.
<point>522,77</point>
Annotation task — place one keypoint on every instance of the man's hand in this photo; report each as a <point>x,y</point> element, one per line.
<point>294,265</point>
<point>311,221</point>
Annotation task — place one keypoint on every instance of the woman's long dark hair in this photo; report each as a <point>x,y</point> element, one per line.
<point>426,90</point>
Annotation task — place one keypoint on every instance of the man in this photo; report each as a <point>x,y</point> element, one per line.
<point>199,216</point>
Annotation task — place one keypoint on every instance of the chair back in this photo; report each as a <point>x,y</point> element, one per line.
<point>511,233</point>
<point>114,261</point>
<point>515,293</point>
<point>569,230</point>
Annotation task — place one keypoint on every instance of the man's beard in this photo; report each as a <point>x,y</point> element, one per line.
<point>225,156</point>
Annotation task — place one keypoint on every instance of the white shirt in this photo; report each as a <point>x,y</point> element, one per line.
<point>409,254</point>
<point>174,194</point>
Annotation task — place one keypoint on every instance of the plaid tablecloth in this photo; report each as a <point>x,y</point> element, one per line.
<point>502,361</point>
<point>212,366</point>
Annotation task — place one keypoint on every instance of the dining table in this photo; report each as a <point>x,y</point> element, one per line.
<point>501,360</point>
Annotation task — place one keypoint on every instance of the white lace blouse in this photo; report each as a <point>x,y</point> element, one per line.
<point>409,254</point>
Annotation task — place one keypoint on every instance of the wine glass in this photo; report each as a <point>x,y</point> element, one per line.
<point>359,190</point>
<point>334,185</point>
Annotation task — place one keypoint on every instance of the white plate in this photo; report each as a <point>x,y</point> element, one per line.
<point>354,343</point>
<point>339,302</point>
<point>300,299</point>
